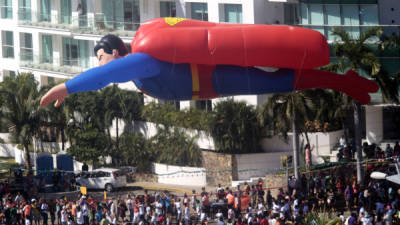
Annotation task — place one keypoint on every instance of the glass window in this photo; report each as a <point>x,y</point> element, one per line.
<point>131,14</point>
<point>8,44</point>
<point>24,10</point>
<point>304,14</point>
<point>204,105</point>
<point>351,19</point>
<point>291,14</point>
<point>332,13</point>
<point>233,13</point>
<point>47,49</point>
<point>66,11</point>
<point>45,10</point>
<point>75,52</point>
<point>6,9</point>
<point>199,11</point>
<point>121,14</point>
<point>26,50</point>
<point>369,15</point>
<point>316,14</point>
<point>317,17</point>
<point>167,9</point>
<point>82,13</point>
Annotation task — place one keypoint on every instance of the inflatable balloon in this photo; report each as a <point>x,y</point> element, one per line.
<point>183,59</point>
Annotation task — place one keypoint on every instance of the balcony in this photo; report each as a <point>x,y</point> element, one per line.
<point>34,62</point>
<point>29,18</point>
<point>354,30</point>
<point>98,25</point>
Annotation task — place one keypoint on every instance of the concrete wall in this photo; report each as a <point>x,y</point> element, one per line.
<point>257,165</point>
<point>374,124</point>
<point>148,130</point>
<point>49,146</point>
<point>192,176</point>
<point>386,14</point>
<point>323,142</point>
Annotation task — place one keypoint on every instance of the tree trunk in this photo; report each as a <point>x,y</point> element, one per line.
<point>357,141</point>
<point>117,133</point>
<point>62,139</point>
<point>295,148</point>
<point>307,139</point>
<point>27,158</point>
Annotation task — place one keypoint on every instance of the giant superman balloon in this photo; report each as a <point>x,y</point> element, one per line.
<point>182,59</point>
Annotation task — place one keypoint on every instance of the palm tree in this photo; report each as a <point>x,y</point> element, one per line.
<point>355,54</point>
<point>113,109</point>
<point>54,117</point>
<point>20,109</point>
<point>234,127</point>
<point>290,111</point>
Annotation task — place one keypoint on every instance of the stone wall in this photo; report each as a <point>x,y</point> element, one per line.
<point>275,180</point>
<point>219,168</point>
<point>144,177</point>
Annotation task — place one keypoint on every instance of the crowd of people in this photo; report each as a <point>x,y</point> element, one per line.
<point>332,191</point>
<point>375,203</point>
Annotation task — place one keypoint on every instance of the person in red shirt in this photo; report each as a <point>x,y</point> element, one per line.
<point>264,220</point>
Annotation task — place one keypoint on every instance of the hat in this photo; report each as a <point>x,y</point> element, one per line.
<point>33,200</point>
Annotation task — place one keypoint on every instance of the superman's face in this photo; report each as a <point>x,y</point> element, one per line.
<point>105,57</point>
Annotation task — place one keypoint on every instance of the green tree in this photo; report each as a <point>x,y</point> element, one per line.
<point>234,127</point>
<point>290,112</point>
<point>90,144</point>
<point>134,152</point>
<point>174,146</point>
<point>21,109</point>
<point>54,117</point>
<point>356,54</point>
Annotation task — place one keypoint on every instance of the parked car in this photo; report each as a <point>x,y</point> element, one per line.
<point>102,178</point>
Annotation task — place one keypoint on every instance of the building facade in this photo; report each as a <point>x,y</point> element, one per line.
<point>54,39</point>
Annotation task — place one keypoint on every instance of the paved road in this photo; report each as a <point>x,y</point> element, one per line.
<point>131,188</point>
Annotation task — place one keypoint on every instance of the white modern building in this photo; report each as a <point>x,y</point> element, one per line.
<point>54,39</point>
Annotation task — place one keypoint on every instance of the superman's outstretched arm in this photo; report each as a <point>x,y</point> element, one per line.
<point>131,67</point>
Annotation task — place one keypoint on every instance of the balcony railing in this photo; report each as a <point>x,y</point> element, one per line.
<point>35,62</point>
<point>99,25</point>
<point>82,24</point>
<point>29,18</point>
<point>353,30</point>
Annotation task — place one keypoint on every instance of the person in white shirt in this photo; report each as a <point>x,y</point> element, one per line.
<point>148,212</point>
<point>231,213</point>
<point>64,216</point>
<point>158,206</point>
<point>272,221</point>
<point>129,204</point>
<point>79,216</point>
<point>366,219</point>
<point>187,214</point>
<point>178,209</point>
<point>203,216</point>
<point>193,200</point>
<point>113,208</point>
<point>219,215</point>
<point>276,208</point>
<point>388,217</point>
